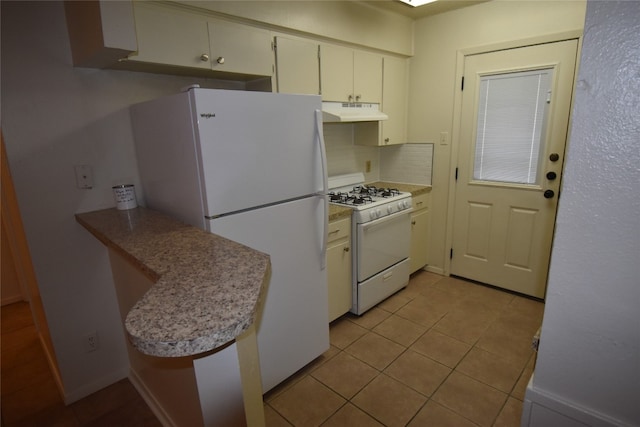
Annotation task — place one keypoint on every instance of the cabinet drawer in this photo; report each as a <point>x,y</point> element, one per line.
<point>420,202</point>
<point>339,229</point>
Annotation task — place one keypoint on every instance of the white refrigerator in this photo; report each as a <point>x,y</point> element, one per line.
<point>251,167</point>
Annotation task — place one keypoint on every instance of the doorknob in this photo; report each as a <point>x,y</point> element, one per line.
<point>548,194</point>
<point>551,176</point>
<point>554,157</point>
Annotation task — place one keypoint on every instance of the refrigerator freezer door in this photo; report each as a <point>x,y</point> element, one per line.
<point>256,148</point>
<point>293,328</point>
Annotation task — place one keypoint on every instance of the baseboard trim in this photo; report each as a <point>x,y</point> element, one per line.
<point>565,408</point>
<point>53,366</point>
<point>98,385</point>
<point>433,269</point>
<point>150,399</point>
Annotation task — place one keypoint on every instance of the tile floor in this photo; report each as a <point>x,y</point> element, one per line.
<point>442,352</point>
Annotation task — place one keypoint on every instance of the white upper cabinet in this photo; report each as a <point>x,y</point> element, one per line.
<point>171,37</point>
<point>168,36</point>
<point>242,49</point>
<point>297,66</point>
<point>348,75</point>
<point>394,100</point>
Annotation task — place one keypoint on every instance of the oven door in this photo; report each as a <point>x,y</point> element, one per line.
<point>382,243</point>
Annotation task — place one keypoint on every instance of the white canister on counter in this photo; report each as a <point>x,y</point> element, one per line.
<point>125,196</point>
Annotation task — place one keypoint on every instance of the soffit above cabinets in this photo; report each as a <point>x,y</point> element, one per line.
<point>429,9</point>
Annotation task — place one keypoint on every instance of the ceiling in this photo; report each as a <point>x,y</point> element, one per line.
<point>429,9</point>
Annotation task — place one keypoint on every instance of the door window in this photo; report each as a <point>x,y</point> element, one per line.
<point>512,111</point>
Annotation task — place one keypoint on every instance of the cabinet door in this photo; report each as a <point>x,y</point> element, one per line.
<point>237,48</point>
<point>297,66</point>
<point>339,278</point>
<point>419,239</point>
<point>170,37</point>
<point>394,100</point>
<point>367,77</point>
<point>336,73</point>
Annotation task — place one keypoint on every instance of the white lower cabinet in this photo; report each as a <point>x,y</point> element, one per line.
<point>339,267</point>
<point>419,232</point>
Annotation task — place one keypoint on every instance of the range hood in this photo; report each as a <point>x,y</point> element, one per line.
<point>344,112</point>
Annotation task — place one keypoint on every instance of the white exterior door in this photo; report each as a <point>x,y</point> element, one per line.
<point>515,113</point>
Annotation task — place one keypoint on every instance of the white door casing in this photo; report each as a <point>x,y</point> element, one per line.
<point>503,223</point>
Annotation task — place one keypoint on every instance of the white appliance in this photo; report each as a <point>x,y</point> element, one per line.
<point>381,238</point>
<point>352,112</point>
<point>251,167</point>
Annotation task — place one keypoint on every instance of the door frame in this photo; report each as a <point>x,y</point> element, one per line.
<point>457,114</point>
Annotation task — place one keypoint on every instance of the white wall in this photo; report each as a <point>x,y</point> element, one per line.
<point>588,365</point>
<point>55,116</point>
<point>434,86</point>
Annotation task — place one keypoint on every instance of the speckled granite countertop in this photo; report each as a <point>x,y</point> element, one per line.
<point>207,291</point>
<point>338,212</point>
<point>414,189</point>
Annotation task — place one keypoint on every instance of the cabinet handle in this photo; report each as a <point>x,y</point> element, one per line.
<point>204,57</point>
<point>350,98</point>
<point>334,231</point>
<point>386,140</point>
<point>418,203</point>
<point>358,98</point>
<point>346,249</point>
<point>220,60</point>
<point>413,222</point>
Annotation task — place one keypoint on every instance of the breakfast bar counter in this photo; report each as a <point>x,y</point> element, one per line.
<point>190,302</point>
<point>208,288</point>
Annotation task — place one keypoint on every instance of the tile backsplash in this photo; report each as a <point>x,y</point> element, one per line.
<point>410,163</point>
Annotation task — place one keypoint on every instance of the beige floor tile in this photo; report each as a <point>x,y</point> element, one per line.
<point>389,401</point>
<point>490,369</point>
<point>400,330</point>
<point>345,374</point>
<point>342,333</point>
<point>463,325</point>
<point>520,389</point>
<point>458,287</point>
<point>424,278</point>
<point>350,416</point>
<point>273,419</point>
<point>470,398</point>
<point>441,348</point>
<point>436,415</point>
<point>510,415</point>
<point>418,372</point>
<point>375,350</point>
<point>489,296</point>
<point>441,300</point>
<point>504,342</point>
<point>528,307</point>
<point>307,403</point>
<point>394,303</point>
<point>420,311</point>
<point>370,318</point>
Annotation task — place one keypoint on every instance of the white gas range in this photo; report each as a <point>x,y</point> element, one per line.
<point>381,230</point>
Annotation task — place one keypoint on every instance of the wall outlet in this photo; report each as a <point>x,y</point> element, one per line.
<point>84,177</point>
<point>90,342</point>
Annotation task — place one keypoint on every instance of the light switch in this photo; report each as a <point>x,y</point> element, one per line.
<point>84,176</point>
<point>444,138</point>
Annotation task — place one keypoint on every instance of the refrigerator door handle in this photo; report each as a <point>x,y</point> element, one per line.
<point>323,152</point>
<point>325,190</point>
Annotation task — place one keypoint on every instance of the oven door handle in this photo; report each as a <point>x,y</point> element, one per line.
<point>368,225</point>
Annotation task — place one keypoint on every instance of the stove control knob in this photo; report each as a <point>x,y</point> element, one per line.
<point>378,213</point>
<point>372,215</point>
<point>390,209</point>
